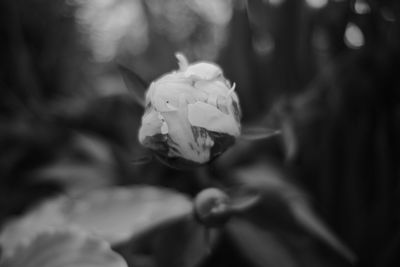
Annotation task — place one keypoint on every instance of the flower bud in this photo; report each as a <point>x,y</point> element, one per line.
<point>192,115</point>
<point>212,207</point>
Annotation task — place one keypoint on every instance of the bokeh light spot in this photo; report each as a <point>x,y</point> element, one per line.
<point>317,3</point>
<point>275,2</point>
<point>388,14</point>
<point>263,44</point>
<point>353,36</point>
<point>361,7</point>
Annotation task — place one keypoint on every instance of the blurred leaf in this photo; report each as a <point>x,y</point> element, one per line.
<point>286,207</point>
<point>290,142</point>
<point>266,178</point>
<point>183,242</point>
<point>134,83</point>
<point>118,214</point>
<point>242,201</point>
<point>62,249</point>
<point>259,246</point>
<point>306,217</point>
<point>142,160</point>
<point>86,164</point>
<point>114,214</point>
<point>24,230</point>
<point>257,133</point>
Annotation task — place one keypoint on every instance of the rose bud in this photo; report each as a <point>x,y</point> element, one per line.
<point>212,207</point>
<point>191,116</point>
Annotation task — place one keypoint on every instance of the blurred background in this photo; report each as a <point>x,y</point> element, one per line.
<point>324,72</point>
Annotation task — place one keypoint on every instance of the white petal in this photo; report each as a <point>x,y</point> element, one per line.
<point>209,117</point>
<point>164,128</point>
<point>182,61</point>
<point>212,87</point>
<point>232,89</point>
<point>184,144</point>
<point>165,95</point>
<point>203,70</point>
<point>212,99</point>
<point>151,125</point>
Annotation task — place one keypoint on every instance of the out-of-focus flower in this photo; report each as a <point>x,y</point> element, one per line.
<point>192,115</point>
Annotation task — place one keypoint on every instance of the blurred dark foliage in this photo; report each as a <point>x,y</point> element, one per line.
<point>338,108</point>
<point>343,109</point>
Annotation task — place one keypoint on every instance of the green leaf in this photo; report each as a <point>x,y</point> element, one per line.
<point>258,133</point>
<point>64,249</point>
<point>114,214</point>
<point>285,207</point>
<point>143,160</point>
<point>134,83</point>
<point>183,242</point>
<point>118,214</point>
<point>260,247</point>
